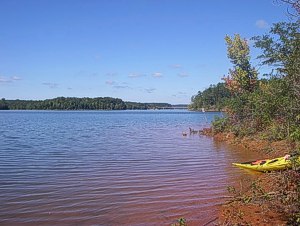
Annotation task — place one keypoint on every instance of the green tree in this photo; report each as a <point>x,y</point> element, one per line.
<point>3,104</point>
<point>281,51</point>
<point>243,77</point>
<point>212,98</point>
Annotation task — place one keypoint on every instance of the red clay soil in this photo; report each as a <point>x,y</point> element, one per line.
<point>255,212</point>
<point>269,149</point>
<point>241,212</point>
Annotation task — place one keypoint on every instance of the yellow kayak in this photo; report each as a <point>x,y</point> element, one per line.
<point>267,164</point>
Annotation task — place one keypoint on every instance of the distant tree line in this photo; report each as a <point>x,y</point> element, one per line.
<point>146,106</point>
<point>212,98</point>
<point>3,104</point>
<point>73,103</point>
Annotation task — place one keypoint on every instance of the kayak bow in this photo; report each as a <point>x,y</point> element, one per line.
<point>267,164</point>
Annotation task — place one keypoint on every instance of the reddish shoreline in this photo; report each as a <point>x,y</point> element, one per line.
<point>256,213</point>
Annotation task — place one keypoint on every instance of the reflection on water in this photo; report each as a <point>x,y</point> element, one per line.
<point>111,168</point>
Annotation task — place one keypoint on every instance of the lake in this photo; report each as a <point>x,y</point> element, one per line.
<point>111,168</point>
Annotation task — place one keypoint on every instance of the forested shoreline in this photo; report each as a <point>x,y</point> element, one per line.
<point>73,103</point>
<point>270,105</point>
<point>213,98</point>
<point>262,110</point>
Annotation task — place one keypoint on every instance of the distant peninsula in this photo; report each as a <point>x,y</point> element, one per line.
<point>85,103</point>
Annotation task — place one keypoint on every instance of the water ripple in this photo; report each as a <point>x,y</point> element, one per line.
<point>110,168</point>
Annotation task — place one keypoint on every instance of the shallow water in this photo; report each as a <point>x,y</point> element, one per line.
<point>111,168</point>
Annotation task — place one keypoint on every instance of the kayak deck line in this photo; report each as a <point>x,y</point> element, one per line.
<point>264,165</point>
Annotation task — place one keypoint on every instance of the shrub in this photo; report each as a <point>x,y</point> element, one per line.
<point>219,124</point>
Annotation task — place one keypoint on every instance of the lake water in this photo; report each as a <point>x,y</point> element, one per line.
<point>111,168</point>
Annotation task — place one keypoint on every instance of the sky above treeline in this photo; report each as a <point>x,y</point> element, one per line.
<point>136,50</point>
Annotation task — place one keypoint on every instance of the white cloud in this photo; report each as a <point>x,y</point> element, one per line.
<point>150,90</point>
<point>4,79</point>
<point>110,82</point>
<point>85,73</point>
<point>51,85</point>
<point>157,75</point>
<point>262,24</point>
<point>180,94</point>
<point>117,85</point>
<point>121,87</point>
<point>176,66</point>
<point>111,74</point>
<point>15,78</point>
<point>183,74</point>
<point>135,75</point>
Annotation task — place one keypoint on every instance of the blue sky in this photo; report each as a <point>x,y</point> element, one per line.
<point>136,50</point>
